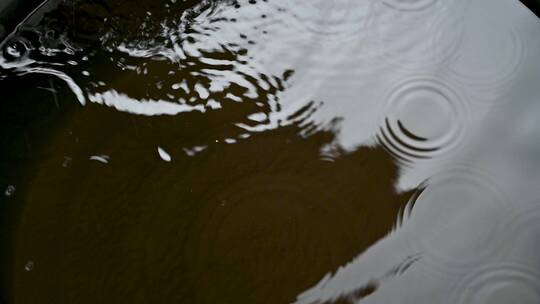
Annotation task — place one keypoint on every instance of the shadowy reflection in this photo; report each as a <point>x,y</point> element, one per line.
<point>255,221</point>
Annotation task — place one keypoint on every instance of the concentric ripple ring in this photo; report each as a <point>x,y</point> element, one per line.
<point>424,118</point>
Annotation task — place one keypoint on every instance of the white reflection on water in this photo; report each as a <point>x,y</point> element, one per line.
<point>464,73</point>
<point>124,103</point>
<point>461,224</point>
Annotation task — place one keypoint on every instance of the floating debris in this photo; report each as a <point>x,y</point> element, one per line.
<point>100,158</point>
<point>164,155</point>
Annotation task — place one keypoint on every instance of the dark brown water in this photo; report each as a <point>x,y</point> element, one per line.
<point>270,152</point>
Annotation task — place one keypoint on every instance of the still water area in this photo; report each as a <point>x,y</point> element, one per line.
<point>295,152</point>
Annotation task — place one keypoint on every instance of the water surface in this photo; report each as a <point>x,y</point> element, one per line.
<point>378,151</point>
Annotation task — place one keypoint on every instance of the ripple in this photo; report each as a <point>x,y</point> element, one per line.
<point>424,118</point>
<point>500,283</point>
<point>311,37</point>
<point>334,19</point>
<point>524,226</point>
<point>124,103</point>
<point>259,226</point>
<point>272,226</point>
<point>496,69</point>
<point>417,40</point>
<point>409,5</point>
<point>201,62</point>
<point>491,53</point>
<point>460,219</point>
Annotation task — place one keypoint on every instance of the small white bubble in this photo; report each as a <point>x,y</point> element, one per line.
<point>85,73</point>
<point>164,155</point>
<point>29,265</point>
<point>66,161</point>
<point>10,190</point>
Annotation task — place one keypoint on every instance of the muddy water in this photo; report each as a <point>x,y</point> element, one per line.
<point>271,152</point>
